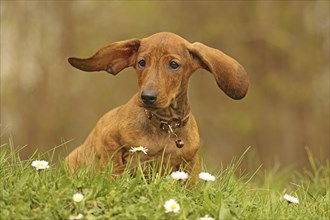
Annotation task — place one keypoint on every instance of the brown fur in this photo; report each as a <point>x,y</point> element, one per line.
<point>128,125</point>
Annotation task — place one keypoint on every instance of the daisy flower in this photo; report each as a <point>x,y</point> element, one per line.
<point>40,164</point>
<point>171,206</point>
<point>178,175</point>
<point>206,217</point>
<point>78,197</point>
<point>76,217</point>
<point>206,176</point>
<point>291,199</point>
<point>139,149</point>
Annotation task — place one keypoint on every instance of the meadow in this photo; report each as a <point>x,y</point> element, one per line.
<point>27,193</point>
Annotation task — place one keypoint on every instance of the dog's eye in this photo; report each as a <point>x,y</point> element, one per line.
<point>174,65</point>
<point>142,63</point>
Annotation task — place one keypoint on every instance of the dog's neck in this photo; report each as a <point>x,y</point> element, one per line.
<point>172,118</point>
<point>179,109</point>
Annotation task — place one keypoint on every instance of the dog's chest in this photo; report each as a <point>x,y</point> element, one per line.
<point>161,143</point>
<point>159,146</point>
<point>155,143</point>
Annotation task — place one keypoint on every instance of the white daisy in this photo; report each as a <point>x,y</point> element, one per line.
<point>139,149</point>
<point>206,176</point>
<point>40,164</point>
<point>206,217</point>
<point>178,175</point>
<point>76,217</point>
<point>171,206</point>
<point>291,199</point>
<point>78,197</point>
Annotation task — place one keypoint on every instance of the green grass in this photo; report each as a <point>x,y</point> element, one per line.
<point>47,194</point>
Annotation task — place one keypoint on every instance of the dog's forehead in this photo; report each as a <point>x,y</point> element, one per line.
<point>163,43</point>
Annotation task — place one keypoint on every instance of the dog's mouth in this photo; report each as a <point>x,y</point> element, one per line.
<point>152,107</point>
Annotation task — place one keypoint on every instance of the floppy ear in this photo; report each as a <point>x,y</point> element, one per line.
<point>229,74</point>
<point>112,58</point>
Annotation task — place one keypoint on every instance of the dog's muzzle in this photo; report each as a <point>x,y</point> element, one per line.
<point>149,98</point>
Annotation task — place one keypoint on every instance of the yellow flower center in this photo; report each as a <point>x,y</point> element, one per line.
<point>173,206</point>
<point>40,165</point>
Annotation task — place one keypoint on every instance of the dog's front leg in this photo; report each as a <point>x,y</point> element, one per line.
<point>194,168</point>
<point>111,154</point>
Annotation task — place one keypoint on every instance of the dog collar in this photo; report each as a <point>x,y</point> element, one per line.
<point>169,125</point>
<point>164,124</point>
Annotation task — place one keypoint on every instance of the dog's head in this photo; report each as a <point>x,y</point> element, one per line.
<point>164,63</point>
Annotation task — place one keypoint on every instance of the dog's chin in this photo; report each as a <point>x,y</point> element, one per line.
<point>153,107</point>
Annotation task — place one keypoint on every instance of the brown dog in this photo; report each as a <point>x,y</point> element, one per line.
<point>158,117</point>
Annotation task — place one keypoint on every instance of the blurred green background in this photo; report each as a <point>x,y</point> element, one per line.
<point>283,45</point>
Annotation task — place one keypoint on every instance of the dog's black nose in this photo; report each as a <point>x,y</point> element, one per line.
<point>149,97</point>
